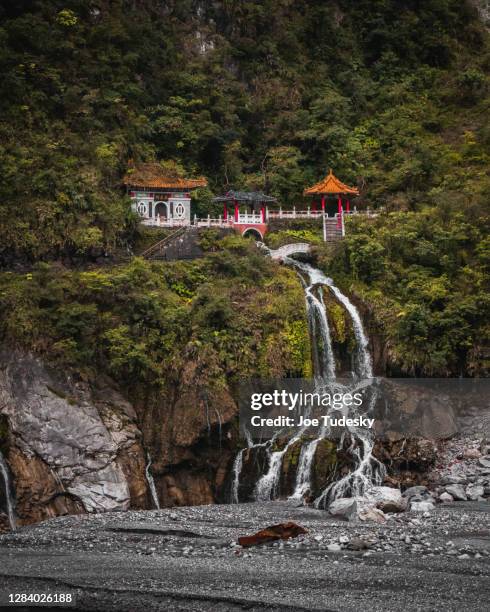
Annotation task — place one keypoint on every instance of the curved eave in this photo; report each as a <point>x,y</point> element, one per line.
<point>321,191</point>
<point>187,185</point>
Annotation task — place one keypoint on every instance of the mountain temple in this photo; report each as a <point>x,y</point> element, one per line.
<point>158,198</point>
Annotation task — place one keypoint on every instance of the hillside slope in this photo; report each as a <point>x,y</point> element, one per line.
<point>267,94</point>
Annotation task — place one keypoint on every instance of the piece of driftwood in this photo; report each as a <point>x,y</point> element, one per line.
<point>283,531</point>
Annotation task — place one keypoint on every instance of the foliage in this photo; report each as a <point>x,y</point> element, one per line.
<point>144,322</point>
<point>425,278</point>
<point>266,95</point>
<point>255,95</point>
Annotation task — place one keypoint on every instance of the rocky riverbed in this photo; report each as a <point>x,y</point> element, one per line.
<point>188,559</point>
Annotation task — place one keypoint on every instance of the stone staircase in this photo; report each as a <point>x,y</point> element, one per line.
<point>181,244</point>
<point>333,230</point>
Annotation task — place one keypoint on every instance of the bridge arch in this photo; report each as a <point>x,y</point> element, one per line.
<point>290,249</point>
<point>252,232</point>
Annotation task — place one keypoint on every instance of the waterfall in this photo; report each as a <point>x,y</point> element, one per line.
<point>305,463</point>
<point>220,426</point>
<point>267,485</point>
<point>324,368</point>
<point>364,366</point>
<point>9,499</point>
<point>151,483</point>
<point>367,470</point>
<point>323,357</point>
<point>237,470</point>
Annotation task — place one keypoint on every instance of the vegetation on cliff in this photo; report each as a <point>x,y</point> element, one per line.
<point>251,94</point>
<point>425,278</point>
<point>233,314</point>
<point>393,95</point>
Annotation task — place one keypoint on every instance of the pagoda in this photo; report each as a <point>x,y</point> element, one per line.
<point>331,186</point>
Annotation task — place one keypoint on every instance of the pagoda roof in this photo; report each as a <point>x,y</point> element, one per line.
<point>154,176</point>
<point>245,196</point>
<point>330,185</point>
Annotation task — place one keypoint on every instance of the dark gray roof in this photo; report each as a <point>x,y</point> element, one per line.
<point>245,196</point>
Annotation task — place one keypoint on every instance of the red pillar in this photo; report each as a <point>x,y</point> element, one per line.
<point>236,211</point>
<point>225,212</point>
<point>323,203</point>
<point>262,213</point>
<point>347,206</point>
<point>339,218</point>
<point>313,206</point>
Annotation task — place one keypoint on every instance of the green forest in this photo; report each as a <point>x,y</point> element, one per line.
<point>394,96</point>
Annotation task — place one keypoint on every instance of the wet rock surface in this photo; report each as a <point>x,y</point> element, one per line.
<point>188,559</point>
<point>69,445</point>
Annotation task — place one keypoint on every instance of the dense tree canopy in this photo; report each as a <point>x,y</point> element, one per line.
<point>261,94</point>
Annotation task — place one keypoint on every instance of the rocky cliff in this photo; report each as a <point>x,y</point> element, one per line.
<point>70,448</point>
<point>73,447</point>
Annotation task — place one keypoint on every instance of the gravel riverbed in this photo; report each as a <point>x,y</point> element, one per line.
<point>188,559</point>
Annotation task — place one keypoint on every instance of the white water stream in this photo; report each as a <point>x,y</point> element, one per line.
<point>9,500</point>
<point>151,483</point>
<point>367,470</point>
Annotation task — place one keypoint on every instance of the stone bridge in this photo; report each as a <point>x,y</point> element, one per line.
<point>289,249</point>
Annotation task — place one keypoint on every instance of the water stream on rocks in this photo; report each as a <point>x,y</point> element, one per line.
<point>367,470</point>
<point>151,483</point>
<point>9,499</point>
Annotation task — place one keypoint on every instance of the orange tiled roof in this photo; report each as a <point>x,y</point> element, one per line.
<point>152,175</point>
<point>330,184</point>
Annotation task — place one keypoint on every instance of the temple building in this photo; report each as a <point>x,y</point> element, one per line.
<point>240,204</point>
<point>246,211</point>
<point>332,187</point>
<point>158,198</point>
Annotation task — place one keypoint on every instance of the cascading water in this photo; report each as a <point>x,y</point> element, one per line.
<point>237,470</point>
<point>151,483</point>
<point>364,367</point>
<point>367,470</point>
<point>9,500</point>
<point>324,368</point>
<point>305,463</point>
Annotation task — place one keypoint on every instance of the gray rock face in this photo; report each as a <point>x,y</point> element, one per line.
<point>484,461</point>
<point>446,497</point>
<point>474,491</point>
<point>345,507</point>
<point>387,499</point>
<point>76,434</point>
<point>457,492</point>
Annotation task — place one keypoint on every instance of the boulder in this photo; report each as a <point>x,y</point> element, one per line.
<point>411,491</point>
<point>484,461</point>
<point>457,492</point>
<point>446,497</point>
<point>370,513</point>
<point>345,508</point>
<point>474,491</point>
<point>471,453</point>
<point>387,499</point>
<point>450,479</point>
<point>421,506</point>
